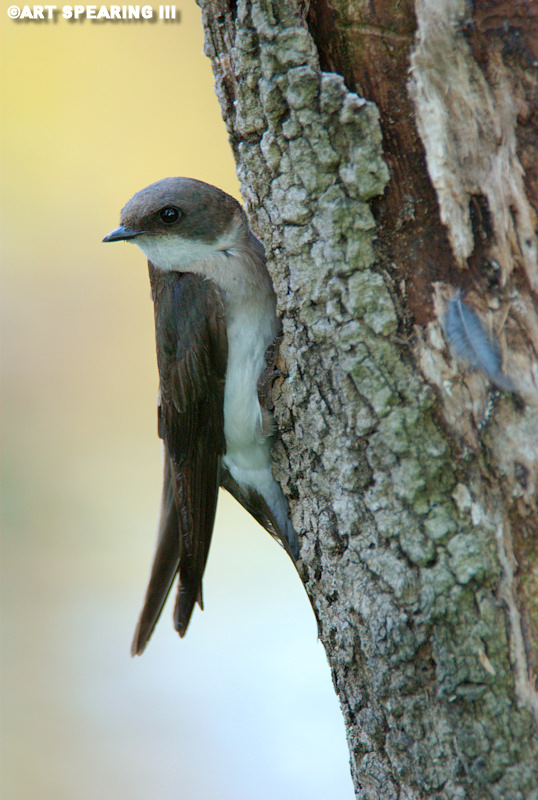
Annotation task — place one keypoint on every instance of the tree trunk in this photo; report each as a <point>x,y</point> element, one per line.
<point>388,156</point>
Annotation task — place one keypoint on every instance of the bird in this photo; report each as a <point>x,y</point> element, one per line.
<point>215,323</point>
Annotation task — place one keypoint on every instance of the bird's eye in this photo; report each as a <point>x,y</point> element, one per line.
<point>169,214</point>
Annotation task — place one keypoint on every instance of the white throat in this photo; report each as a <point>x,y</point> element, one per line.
<point>174,253</point>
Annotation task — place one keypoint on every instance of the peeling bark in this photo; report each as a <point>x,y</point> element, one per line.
<point>412,480</point>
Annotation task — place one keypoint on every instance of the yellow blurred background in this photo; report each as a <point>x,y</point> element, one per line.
<point>242,708</point>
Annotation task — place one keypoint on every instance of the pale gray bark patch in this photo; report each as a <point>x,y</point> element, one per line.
<point>469,136</point>
<point>398,537</point>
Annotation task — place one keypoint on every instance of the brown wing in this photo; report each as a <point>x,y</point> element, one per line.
<point>191,356</point>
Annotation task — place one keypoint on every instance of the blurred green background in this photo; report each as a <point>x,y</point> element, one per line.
<point>243,708</point>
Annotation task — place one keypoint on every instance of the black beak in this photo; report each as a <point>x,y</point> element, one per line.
<point>121,233</point>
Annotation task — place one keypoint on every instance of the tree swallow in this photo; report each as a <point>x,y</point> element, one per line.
<point>215,318</point>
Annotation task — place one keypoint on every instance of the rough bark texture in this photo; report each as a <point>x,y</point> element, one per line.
<point>412,480</point>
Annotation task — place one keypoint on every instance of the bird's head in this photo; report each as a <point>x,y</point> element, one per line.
<point>178,222</point>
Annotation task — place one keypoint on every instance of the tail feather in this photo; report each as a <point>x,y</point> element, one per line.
<point>164,568</point>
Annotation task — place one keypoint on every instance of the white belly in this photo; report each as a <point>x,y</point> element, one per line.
<point>249,335</point>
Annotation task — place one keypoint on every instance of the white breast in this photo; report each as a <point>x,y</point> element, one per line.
<point>250,332</point>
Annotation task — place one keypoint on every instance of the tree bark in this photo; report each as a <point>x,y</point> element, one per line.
<point>387,154</point>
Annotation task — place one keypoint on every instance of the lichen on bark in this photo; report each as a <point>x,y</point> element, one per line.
<point>400,538</point>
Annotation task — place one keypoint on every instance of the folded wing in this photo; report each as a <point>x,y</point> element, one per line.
<point>191,356</point>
